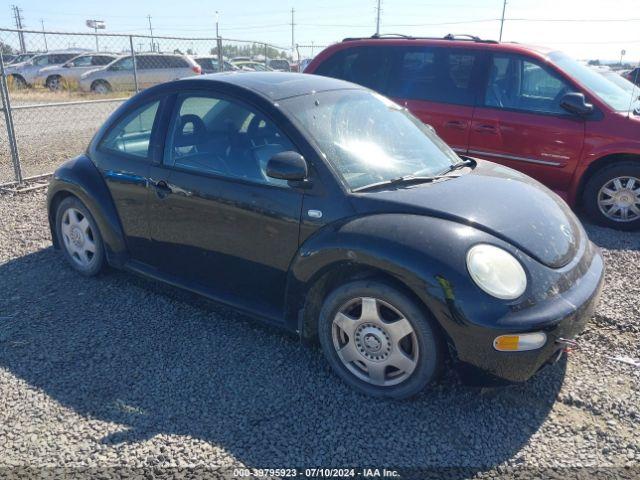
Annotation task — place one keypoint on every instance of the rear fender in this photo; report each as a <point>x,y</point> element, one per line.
<point>81,178</point>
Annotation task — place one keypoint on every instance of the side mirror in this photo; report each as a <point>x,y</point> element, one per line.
<point>576,103</point>
<point>287,166</point>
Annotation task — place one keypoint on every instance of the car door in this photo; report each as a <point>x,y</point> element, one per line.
<point>147,67</point>
<point>521,124</point>
<point>438,85</point>
<point>123,157</point>
<point>218,222</point>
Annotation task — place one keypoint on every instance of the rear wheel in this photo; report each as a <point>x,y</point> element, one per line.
<point>54,83</point>
<point>79,237</point>
<point>378,340</point>
<point>612,196</point>
<point>100,86</point>
<point>17,82</point>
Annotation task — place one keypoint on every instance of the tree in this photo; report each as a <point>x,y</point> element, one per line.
<point>6,49</point>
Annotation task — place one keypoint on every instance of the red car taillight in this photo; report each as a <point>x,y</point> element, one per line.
<point>197,69</point>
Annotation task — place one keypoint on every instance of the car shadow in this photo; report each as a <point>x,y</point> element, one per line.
<point>157,360</point>
<point>609,238</point>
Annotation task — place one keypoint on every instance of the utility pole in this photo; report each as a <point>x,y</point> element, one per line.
<point>17,15</point>
<point>293,26</point>
<point>504,8</point>
<point>378,8</point>
<point>153,48</point>
<point>44,36</point>
<point>217,23</point>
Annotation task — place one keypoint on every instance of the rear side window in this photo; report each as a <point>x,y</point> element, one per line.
<point>367,66</point>
<point>132,134</point>
<point>176,62</point>
<point>435,74</point>
<point>101,60</point>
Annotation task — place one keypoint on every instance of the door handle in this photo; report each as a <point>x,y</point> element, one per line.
<point>456,124</point>
<point>485,128</point>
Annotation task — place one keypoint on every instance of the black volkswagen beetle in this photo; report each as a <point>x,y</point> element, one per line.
<point>327,209</point>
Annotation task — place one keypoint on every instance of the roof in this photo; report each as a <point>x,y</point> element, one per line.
<point>278,85</point>
<point>468,41</point>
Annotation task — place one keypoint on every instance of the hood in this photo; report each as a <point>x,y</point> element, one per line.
<point>495,199</point>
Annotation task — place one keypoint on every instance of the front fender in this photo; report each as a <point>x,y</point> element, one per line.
<point>81,178</point>
<point>426,254</point>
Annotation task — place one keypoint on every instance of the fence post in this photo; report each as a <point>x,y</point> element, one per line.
<point>220,57</point>
<point>135,66</point>
<point>8,118</point>
<point>266,61</point>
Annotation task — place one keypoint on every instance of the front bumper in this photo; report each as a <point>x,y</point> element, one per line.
<point>561,317</point>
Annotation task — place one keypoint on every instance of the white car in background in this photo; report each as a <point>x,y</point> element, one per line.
<point>68,74</point>
<point>151,69</point>
<point>25,74</point>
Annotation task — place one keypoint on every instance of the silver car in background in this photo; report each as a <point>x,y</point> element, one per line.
<point>24,74</point>
<point>151,69</point>
<point>68,74</point>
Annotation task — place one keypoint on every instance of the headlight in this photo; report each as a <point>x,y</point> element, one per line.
<point>496,271</point>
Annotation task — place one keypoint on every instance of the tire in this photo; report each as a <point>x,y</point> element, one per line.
<point>79,237</point>
<point>612,190</point>
<point>54,83</point>
<point>392,331</point>
<point>101,86</point>
<point>18,82</point>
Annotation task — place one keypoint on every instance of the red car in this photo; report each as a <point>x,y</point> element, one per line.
<point>529,108</point>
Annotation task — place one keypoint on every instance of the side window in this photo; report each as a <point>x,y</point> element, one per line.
<point>435,74</point>
<point>367,66</point>
<point>213,135</point>
<point>144,62</point>
<point>41,61</point>
<point>177,62</point>
<point>520,84</point>
<point>124,64</point>
<point>101,60</point>
<point>82,61</point>
<point>132,134</point>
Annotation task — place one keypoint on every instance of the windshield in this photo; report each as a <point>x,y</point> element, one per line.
<point>368,138</point>
<point>617,97</point>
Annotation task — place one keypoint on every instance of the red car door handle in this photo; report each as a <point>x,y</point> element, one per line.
<point>456,124</point>
<point>486,129</point>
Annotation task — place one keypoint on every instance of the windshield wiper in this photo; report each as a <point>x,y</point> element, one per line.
<point>404,180</point>
<point>466,162</point>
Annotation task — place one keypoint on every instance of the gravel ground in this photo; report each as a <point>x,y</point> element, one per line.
<point>118,371</point>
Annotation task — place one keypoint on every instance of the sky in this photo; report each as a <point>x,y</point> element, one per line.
<point>586,29</point>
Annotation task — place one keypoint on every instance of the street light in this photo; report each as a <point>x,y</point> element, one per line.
<point>96,25</point>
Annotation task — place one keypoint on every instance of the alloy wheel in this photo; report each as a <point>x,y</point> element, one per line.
<point>78,237</point>
<point>619,199</point>
<point>375,341</point>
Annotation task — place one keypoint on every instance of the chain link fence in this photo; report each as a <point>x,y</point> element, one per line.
<point>63,86</point>
<point>305,53</point>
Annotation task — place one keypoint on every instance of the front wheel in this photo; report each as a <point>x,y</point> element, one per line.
<point>79,237</point>
<point>101,87</point>
<point>54,83</point>
<point>378,340</point>
<point>612,196</point>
